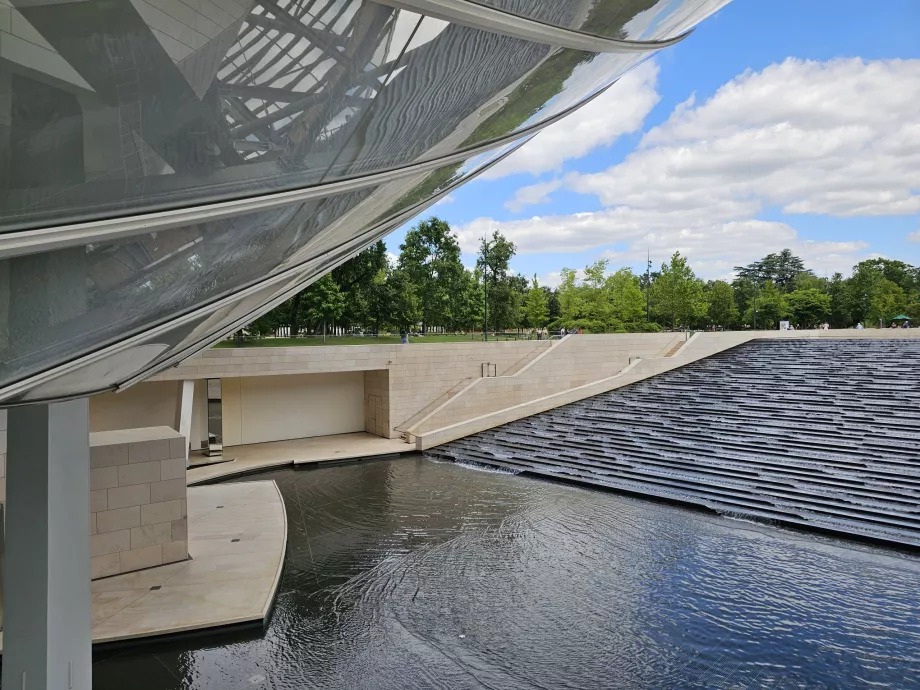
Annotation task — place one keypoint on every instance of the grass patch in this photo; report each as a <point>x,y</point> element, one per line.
<point>352,340</point>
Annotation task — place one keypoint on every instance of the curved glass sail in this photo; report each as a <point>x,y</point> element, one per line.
<point>632,20</point>
<point>138,106</point>
<point>113,110</point>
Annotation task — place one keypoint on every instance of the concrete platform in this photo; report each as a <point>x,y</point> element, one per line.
<point>227,582</point>
<point>302,451</point>
<point>237,540</point>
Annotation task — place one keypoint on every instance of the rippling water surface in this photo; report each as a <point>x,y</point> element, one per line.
<point>415,574</point>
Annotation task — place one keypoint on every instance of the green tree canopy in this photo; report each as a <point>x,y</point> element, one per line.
<point>781,269</point>
<point>430,258</point>
<point>535,305</point>
<point>627,303</point>
<point>808,307</point>
<point>504,292</point>
<point>722,309</point>
<point>677,294</point>
<point>767,308</point>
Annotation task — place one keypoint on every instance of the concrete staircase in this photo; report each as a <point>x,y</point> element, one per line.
<point>819,434</point>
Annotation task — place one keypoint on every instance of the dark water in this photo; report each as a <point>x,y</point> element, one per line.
<point>415,574</point>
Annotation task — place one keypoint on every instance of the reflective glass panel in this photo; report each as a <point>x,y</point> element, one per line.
<point>134,107</point>
<point>635,20</point>
<point>59,305</point>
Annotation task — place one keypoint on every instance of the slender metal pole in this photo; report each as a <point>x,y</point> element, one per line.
<point>755,306</point>
<point>485,287</point>
<point>648,286</point>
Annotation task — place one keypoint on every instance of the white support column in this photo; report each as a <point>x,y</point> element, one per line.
<point>47,635</point>
<point>184,404</point>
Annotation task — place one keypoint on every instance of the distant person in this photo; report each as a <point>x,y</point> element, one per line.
<point>893,325</point>
<point>906,324</point>
<point>404,337</point>
<point>562,332</point>
<point>859,326</point>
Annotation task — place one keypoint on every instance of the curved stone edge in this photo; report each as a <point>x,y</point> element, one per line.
<point>273,595</point>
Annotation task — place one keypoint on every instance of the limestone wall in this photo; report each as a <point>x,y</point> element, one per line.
<point>138,512</point>
<point>572,362</point>
<point>699,346</point>
<point>417,374</point>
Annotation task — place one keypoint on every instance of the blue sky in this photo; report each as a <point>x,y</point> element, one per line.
<point>802,130</point>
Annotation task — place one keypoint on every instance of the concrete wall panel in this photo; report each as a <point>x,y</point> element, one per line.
<point>276,408</point>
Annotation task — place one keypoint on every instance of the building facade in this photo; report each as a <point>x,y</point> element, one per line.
<point>171,169</point>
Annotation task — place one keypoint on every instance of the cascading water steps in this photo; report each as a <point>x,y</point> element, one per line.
<point>821,434</point>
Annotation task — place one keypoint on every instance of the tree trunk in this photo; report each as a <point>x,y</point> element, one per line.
<point>295,308</point>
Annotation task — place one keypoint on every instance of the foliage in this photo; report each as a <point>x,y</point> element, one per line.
<point>429,288</point>
<point>430,258</point>
<point>767,308</point>
<point>723,312</point>
<point>535,307</point>
<point>323,302</point>
<point>781,269</point>
<point>808,307</point>
<point>504,291</point>
<point>677,294</point>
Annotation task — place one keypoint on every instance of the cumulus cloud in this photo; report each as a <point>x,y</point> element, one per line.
<point>915,235</point>
<point>532,194</point>
<point>837,138</point>
<point>715,250</point>
<point>619,110</point>
<point>449,199</point>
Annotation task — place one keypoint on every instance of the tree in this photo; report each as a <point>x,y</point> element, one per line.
<point>503,294</point>
<point>552,303</point>
<point>404,310</point>
<point>569,297</point>
<point>356,280</point>
<point>677,294</point>
<point>886,301</point>
<point>722,309</point>
<point>430,259</point>
<point>627,302</point>
<point>808,307</point>
<point>841,302</point>
<point>780,268</point>
<point>323,302</point>
<point>535,305</point>
<point>767,308</point>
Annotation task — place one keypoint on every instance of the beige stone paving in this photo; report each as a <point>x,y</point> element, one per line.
<point>226,582</point>
<point>297,452</point>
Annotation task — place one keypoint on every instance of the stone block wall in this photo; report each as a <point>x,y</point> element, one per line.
<point>138,511</point>
<point>377,402</point>
<point>418,373</point>
<point>572,362</point>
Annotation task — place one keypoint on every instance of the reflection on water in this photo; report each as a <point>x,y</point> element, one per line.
<point>415,574</point>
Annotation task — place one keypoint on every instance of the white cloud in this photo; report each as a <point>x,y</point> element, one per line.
<point>915,235</point>
<point>449,199</point>
<point>619,110</point>
<point>532,194</point>
<point>836,138</point>
<point>714,251</point>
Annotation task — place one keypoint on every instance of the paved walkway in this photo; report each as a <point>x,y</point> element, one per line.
<point>237,538</point>
<point>301,451</point>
